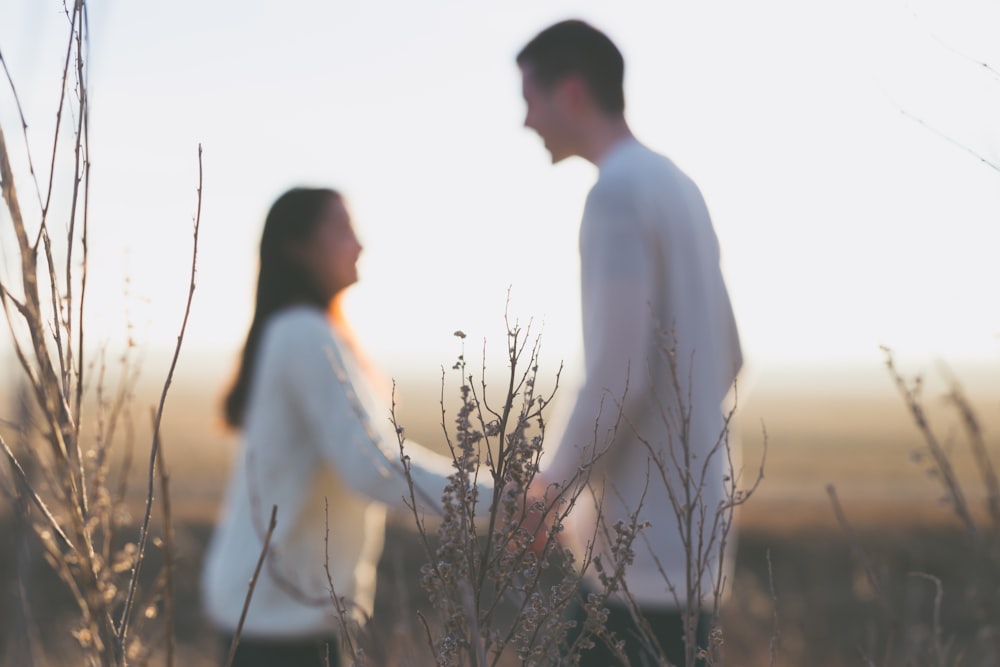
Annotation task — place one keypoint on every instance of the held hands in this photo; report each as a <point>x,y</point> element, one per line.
<point>535,523</point>
<point>535,520</point>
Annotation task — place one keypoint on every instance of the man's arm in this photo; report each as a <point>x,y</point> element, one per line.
<point>617,287</point>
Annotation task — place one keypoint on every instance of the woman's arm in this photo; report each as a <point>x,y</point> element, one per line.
<point>336,416</point>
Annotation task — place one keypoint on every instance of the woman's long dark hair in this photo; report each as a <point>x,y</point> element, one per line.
<point>282,280</point>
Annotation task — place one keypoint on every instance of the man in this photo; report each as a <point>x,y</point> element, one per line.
<point>661,352</point>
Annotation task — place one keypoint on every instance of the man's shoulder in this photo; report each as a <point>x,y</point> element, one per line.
<point>637,163</point>
<point>638,172</point>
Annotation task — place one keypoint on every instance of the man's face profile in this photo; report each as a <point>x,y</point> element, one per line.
<point>546,113</point>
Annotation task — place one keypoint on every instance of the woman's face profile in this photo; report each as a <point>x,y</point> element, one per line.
<point>331,252</point>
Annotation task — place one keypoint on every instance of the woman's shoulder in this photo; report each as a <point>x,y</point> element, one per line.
<point>298,325</point>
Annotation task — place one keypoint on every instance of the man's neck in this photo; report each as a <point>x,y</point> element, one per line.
<point>602,135</point>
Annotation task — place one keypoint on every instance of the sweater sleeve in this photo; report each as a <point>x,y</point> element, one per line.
<point>616,288</point>
<point>365,453</point>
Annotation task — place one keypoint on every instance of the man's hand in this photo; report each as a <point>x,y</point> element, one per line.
<point>535,522</point>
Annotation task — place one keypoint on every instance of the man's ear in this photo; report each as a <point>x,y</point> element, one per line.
<point>576,92</point>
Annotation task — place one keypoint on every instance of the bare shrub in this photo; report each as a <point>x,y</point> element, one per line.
<point>501,584</point>
<point>704,519</point>
<point>494,584</point>
<point>920,617</point>
<point>62,482</point>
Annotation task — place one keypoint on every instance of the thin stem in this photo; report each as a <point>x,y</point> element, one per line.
<point>859,551</point>
<point>168,554</point>
<point>144,531</point>
<point>253,584</point>
<point>59,113</point>
<point>24,128</point>
<point>23,476</point>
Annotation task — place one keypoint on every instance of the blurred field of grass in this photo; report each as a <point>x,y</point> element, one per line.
<point>858,438</point>
<point>796,576</point>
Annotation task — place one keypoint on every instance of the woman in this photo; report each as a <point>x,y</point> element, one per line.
<point>316,443</point>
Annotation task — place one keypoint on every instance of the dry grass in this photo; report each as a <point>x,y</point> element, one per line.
<point>863,444</point>
<point>824,601</point>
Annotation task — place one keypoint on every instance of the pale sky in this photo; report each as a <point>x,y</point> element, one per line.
<point>844,223</point>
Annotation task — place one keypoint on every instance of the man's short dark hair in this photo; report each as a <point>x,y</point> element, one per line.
<point>576,47</point>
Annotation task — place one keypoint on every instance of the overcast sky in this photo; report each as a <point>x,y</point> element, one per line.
<point>844,222</point>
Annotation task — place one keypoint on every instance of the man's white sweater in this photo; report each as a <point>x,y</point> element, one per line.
<point>660,343</point>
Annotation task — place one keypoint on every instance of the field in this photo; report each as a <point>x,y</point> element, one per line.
<point>800,589</point>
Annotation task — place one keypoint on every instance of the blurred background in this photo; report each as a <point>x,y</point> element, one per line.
<point>849,154</point>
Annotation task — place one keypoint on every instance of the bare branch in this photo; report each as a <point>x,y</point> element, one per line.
<point>942,464</point>
<point>957,397</point>
<point>47,382</point>
<point>253,584</point>
<point>946,45</point>
<point>23,476</point>
<point>81,162</point>
<point>951,140</point>
<point>77,9</point>
<point>24,127</point>
<point>144,531</point>
<point>168,552</point>
<point>936,646</point>
<point>339,603</point>
<point>859,551</point>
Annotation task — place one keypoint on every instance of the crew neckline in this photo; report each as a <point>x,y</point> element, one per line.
<point>618,148</point>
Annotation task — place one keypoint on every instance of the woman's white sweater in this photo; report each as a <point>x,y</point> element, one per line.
<point>318,444</point>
